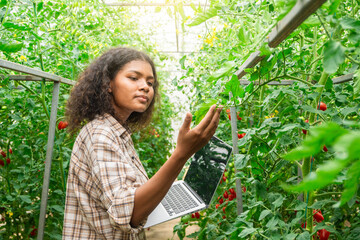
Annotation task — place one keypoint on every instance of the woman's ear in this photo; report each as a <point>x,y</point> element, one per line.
<point>110,88</point>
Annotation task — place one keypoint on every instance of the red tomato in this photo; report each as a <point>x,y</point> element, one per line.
<point>228,111</point>
<point>231,190</point>
<point>33,233</point>
<point>244,189</point>
<point>229,116</point>
<point>226,195</point>
<point>2,163</point>
<point>325,148</point>
<point>231,197</point>
<point>10,151</point>
<point>3,153</point>
<point>241,135</point>
<point>221,201</point>
<point>217,206</point>
<point>318,216</point>
<point>304,130</point>
<point>224,208</point>
<point>323,234</point>
<point>238,117</point>
<point>193,215</point>
<point>322,106</point>
<point>197,215</point>
<point>62,125</point>
<point>8,160</point>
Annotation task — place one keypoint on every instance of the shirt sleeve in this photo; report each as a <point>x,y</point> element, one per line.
<point>117,180</point>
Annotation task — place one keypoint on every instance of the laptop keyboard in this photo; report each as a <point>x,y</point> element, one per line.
<point>177,200</point>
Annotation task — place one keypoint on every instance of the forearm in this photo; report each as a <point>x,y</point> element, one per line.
<point>149,195</point>
<point>189,141</point>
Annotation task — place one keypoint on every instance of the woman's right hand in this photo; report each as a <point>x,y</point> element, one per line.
<point>189,141</point>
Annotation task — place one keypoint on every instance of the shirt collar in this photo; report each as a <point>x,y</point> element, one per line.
<point>121,129</point>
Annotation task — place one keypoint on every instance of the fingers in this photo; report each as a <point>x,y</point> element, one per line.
<point>207,119</point>
<point>211,128</point>
<point>187,122</point>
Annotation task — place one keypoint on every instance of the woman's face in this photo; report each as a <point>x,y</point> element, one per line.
<point>132,88</point>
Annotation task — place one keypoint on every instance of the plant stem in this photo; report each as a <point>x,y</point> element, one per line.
<point>323,79</point>
<point>42,100</point>
<point>6,12</point>
<point>279,102</point>
<point>326,194</point>
<point>352,59</point>
<point>298,164</point>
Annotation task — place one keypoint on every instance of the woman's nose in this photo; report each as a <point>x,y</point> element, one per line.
<point>143,85</point>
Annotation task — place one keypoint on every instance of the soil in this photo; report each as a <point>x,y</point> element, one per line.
<point>164,231</point>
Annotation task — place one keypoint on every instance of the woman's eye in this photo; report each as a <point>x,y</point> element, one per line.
<point>133,78</point>
<point>150,84</point>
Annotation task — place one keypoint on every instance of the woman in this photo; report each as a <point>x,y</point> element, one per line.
<point>109,195</point>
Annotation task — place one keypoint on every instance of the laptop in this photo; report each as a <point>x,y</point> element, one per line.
<point>195,192</point>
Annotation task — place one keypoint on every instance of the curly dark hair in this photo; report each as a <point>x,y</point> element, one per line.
<point>90,96</point>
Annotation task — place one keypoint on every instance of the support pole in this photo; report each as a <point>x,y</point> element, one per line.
<point>49,153</point>
<point>239,199</point>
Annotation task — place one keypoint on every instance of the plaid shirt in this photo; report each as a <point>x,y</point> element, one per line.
<point>104,173</point>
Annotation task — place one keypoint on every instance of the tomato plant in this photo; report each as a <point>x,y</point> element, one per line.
<point>286,126</point>
<point>60,37</point>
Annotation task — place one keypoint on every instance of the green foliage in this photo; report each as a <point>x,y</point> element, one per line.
<point>334,55</point>
<point>345,143</point>
<point>61,38</point>
<point>285,130</point>
<point>202,17</point>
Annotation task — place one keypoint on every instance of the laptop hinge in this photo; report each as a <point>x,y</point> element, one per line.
<point>194,193</point>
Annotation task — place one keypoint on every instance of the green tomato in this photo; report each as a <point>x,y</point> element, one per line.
<point>186,218</point>
<point>243,150</point>
<point>231,164</point>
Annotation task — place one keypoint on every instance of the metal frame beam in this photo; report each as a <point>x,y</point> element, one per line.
<point>34,72</point>
<point>49,154</point>
<point>337,80</point>
<point>298,14</point>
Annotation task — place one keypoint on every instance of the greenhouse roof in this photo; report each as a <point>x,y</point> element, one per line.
<point>164,28</point>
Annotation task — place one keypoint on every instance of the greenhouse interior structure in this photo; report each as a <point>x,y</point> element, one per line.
<point>277,81</point>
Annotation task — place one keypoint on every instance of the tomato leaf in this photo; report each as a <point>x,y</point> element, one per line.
<point>10,25</point>
<point>202,17</point>
<point>350,23</point>
<point>246,232</point>
<point>357,82</point>
<point>323,176</point>
<point>203,109</point>
<point>241,160</point>
<point>334,55</point>
<point>334,6</point>
<point>234,86</point>
<point>324,134</point>
<point>10,47</point>
<point>224,70</point>
<point>263,214</point>
<point>182,62</point>
<point>351,184</point>
<point>3,3</point>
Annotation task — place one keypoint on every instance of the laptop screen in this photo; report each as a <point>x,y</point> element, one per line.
<point>206,168</point>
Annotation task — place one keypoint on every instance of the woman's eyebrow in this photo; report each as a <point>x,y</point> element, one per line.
<point>140,74</point>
